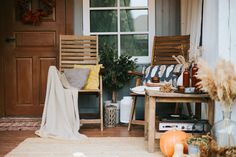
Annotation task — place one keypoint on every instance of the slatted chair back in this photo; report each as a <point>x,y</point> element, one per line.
<point>79,50</point>
<point>166,46</point>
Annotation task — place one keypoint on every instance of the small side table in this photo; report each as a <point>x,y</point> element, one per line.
<point>151,97</point>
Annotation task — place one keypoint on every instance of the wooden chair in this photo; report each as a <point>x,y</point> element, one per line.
<point>81,50</point>
<point>164,47</point>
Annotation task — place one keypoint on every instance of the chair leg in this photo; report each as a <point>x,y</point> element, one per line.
<point>176,108</point>
<point>146,103</point>
<point>198,110</point>
<point>101,102</point>
<point>189,109</point>
<point>101,110</point>
<point>132,112</point>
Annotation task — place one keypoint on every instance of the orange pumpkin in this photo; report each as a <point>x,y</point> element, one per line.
<point>169,139</point>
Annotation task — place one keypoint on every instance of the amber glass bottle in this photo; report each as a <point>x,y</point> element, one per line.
<point>195,80</point>
<point>186,78</point>
<point>194,72</point>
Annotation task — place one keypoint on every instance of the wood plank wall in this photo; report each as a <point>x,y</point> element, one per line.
<point>168,17</point>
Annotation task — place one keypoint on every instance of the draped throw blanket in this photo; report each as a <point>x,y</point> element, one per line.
<point>61,115</point>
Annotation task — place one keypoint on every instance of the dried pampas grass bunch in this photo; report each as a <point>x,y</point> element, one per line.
<point>220,83</point>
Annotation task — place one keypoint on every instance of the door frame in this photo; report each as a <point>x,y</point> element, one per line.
<point>69,29</point>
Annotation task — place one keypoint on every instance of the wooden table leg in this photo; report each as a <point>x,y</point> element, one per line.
<point>146,117</point>
<point>151,124</point>
<point>211,111</point>
<point>133,107</point>
<point>198,110</point>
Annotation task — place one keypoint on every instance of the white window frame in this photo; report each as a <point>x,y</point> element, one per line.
<point>150,32</point>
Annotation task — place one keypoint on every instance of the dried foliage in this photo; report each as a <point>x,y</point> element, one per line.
<point>220,82</point>
<point>216,151</point>
<point>166,88</point>
<point>181,60</point>
<point>208,147</point>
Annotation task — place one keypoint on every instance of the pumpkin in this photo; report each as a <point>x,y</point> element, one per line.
<point>169,139</point>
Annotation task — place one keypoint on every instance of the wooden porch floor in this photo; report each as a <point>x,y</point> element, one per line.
<point>10,139</point>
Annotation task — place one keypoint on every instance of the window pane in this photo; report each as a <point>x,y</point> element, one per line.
<point>103,3</point>
<point>133,3</point>
<point>133,20</point>
<point>134,45</point>
<point>110,40</point>
<point>103,21</point>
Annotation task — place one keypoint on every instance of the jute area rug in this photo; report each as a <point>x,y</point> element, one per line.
<point>91,147</point>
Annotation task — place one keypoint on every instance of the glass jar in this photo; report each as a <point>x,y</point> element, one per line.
<point>224,131</point>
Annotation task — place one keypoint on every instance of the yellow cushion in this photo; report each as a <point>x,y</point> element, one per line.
<point>93,78</point>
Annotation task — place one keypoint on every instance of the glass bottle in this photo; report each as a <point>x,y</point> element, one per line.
<point>224,131</point>
<point>186,78</point>
<point>194,72</point>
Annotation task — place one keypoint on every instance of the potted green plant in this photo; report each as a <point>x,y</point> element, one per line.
<point>115,69</point>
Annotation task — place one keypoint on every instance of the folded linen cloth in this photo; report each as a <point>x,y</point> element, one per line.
<point>141,89</point>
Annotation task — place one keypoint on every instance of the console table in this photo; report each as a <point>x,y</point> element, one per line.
<point>151,97</point>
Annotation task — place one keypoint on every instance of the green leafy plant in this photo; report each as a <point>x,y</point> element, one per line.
<point>115,69</point>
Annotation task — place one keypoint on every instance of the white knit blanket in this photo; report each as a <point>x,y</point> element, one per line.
<point>61,115</point>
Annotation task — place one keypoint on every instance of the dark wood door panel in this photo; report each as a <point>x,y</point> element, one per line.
<point>24,111</point>
<point>26,90</point>
<point>27,57</point>
<point>19,96</point>
<point>31,39</point>
<point>24,81</point>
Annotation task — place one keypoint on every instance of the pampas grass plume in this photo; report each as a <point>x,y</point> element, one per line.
<point>220,83</point>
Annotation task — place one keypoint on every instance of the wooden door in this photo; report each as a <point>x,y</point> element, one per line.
<point>26,54</point>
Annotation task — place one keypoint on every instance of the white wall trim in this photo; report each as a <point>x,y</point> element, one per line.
<point>152,27</point>
<point>223,29</point>
<point>86,18</point>
<point>219,39</point>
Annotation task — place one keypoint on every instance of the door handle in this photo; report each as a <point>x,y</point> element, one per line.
<point>10,39</point>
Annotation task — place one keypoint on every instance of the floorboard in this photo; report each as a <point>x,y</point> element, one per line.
<point>10,139</point>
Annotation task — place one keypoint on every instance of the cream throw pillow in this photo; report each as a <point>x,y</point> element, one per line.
<point>93,78</point>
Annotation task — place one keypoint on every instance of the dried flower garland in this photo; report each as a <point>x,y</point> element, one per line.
<point>28,16</point>
<point>219,83</point>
